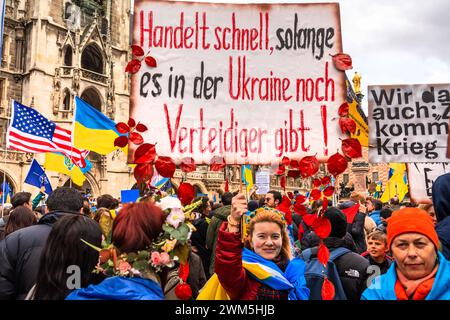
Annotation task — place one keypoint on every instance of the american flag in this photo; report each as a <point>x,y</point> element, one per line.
<point>30,131</point>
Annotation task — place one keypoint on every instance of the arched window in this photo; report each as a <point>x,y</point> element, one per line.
<point>68,56</point>
<point>92,59</point>
<point>92,97</point>
<point>66,104</point>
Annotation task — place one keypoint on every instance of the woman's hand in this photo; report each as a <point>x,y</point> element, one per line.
<point>238,208</point>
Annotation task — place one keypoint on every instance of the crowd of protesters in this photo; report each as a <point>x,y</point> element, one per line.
<point>239,248</point>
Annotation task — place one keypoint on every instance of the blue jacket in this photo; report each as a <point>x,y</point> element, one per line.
<point>120,288</point>
<point>375,215</point>
<point>382,288</point>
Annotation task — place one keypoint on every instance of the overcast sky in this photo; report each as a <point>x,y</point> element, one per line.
<point>393,42</point>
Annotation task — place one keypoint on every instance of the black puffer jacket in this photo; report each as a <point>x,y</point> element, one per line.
<point>20,253</point>
<point>352,269</point>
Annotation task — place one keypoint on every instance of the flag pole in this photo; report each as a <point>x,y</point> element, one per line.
<point>8,120</point>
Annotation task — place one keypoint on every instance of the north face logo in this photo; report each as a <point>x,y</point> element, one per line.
<point>352,273</point>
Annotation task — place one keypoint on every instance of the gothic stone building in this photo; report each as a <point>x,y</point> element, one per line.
<point>54,50</point>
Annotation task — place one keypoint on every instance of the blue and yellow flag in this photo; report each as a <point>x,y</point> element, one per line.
<point>247,176</point>
<point>266,272</point>
<point>356,113</point>
<point>397,183</point>
<point>59,163</point>
<point>92,129</point>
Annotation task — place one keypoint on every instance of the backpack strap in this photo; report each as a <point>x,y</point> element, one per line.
<point>309,254</point>
<point>338,252</point>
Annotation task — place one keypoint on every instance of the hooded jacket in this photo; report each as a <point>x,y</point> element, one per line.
<point>20,254</point>
<point>383,288</point>
<point>221,214</point>
<point>441,203</point>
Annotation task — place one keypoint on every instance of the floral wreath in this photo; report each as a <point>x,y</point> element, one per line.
<point>247,218</point>
<point>171,246</point>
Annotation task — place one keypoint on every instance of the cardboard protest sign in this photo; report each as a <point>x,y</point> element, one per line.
<point>421,177</point>
<point>409,123</point>
<point>262,180</point>
<point>248,82</point>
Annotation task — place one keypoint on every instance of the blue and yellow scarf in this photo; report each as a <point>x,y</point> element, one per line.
<point>265,272</point>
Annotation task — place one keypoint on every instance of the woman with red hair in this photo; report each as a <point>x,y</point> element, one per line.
<point>134,230</point>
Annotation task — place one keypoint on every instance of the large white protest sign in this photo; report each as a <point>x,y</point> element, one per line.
<point>421,177</point>
<point>409,123</point>
<point>248,82</point>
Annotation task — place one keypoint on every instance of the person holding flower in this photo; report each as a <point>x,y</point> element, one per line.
<point>261,268</point>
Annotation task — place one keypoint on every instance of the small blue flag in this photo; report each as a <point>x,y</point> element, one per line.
<point>37,177</point>
<point>5,191</point>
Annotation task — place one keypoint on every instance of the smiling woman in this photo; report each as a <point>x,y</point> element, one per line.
<point>420,271</point>
<point>263,269</point>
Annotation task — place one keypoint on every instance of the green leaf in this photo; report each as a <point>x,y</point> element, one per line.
<point>131,257</point>
<point>140,265</point>
<point>181,233</point>
<point>143,254</point>
<point>167,228</point>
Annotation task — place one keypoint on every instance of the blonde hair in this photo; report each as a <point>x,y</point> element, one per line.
<point>270,216</point>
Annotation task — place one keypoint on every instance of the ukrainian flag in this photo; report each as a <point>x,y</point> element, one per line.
<point>356,113</point>
<point>59,163</point>
<point>247,176</point>
<point>92,129</point>
<point>397,182</point>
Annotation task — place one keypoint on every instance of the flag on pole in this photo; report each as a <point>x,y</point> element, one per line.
<point>247,176</point>
<point>356,113</point>
<point>36,177</point>
<point>30,131</point>
<point>89,123</point>
<point>6,192</point>
<point>60,163</point>
<point>397,182</point>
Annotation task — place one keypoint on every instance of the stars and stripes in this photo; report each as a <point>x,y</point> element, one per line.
<point>30,131</point>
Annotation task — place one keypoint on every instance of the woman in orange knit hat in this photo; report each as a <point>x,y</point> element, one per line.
<point>420,271</point>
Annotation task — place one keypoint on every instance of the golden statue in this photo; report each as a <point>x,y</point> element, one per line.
<point>357,83</point>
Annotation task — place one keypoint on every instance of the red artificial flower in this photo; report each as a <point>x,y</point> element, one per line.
<point>300,199</point>
<point>323,254</point>
<point>145,153</point>
<point>336,164</point>
<point>351,148</point>
<point>308,166</point>
<point>137,51</point>
<point>315,194</point>
<point>285,161</point>
<point>328,290</point>
<point>326,180</point>
<point>187,164</point>
<point>342,61</point>
<point>283,182</point>
<point>141,127</point>
<point>186,193</point>
<point>343,110</point>
<point>121,141</point>
<point>183,291</point>
<point>166,166</point>
<point>300,209</point>
<point>324,204</point>
<point>217,163</point>
<point>309,219</point>
<point>328,191</point>
<point>294,164</point>
<point>133,66</point>
<point>322,227</point>
<point>150,61</point>
<point>143,172</point>
<point>281,170</point>
<point>293,173</point>
<point>122,127</point>
<point>136,138</point>
<point>347,125</point>
<point>131,123</point>
<point>317,182</point>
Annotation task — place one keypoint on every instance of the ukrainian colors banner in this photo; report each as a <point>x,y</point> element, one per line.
<point>250,82</point>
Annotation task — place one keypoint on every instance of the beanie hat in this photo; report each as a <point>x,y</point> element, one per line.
<point>408,220</point>
<point>338,222</point>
